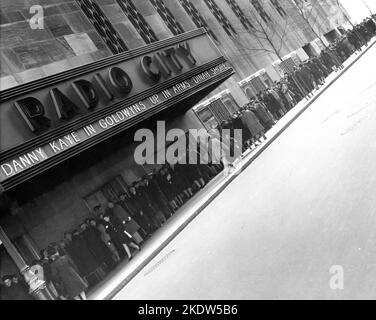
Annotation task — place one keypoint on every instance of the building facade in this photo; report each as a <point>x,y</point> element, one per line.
<point>79,77</point>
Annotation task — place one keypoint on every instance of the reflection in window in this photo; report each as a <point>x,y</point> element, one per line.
<point>230,104</point>
<point>264,16</point>
<point>207,117</point>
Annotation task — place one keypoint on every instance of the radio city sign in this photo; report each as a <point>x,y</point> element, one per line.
<point>88,92</point>
<point>74,109</point>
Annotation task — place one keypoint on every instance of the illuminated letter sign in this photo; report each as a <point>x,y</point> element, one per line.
<point>170,55</point>
<point>65,108</point>
<point>86,92</point>
<point>32,111</point>
<point>120,80</point>
<point>149,68</point>
<point>185,51</point>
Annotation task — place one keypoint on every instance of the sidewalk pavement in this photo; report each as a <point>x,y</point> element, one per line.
<point>125,272</point>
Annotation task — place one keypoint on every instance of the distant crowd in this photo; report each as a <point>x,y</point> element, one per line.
<point>269,106</point>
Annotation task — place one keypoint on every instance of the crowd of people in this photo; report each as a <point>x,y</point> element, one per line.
<point>270,105</point>
<point>88,253</point>
<point>116,231</point>
<point>14,287</point>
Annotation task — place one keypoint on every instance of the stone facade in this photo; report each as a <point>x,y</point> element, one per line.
<point>77,32</point>
<point>71,37</point>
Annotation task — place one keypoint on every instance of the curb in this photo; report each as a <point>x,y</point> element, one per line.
<point>221,187</point>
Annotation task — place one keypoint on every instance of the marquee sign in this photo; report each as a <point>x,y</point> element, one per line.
<point>73,138</point>
<point>45,120</point>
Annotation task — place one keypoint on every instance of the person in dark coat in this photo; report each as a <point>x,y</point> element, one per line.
<point>301,80</point>
<point>96,245</point>
<point>80,253</point>
<point>118,234</point>
<point>14,289</point>
<point>293,85</point>
<point>262,114</point>
<point>146,205</point>
<point>254,126</point>
<point>192,170</point>
<point>180,182</point>
<point>237,124</point>
<point>6,293</point>
<point>124,202</point>
<point>158,194</point>
<point>65,273</point>
<point>148,193</point>
<point>137,214</point>
<point>327,59</point>
<point>97,223</point>
<point>127,203</point>
<point>166,184</point>
<point>120,210</point>
<point>180,172</point>
<point>273,105</point>
<point>316,74</point>
<point>307,76</point>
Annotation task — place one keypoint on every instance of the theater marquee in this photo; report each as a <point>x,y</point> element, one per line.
<point>52,119</point>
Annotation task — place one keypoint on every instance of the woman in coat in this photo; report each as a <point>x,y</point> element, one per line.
<point>250,120</point>
<point>78,250</point>
<point>97,247</point>
<point>64,272</point>
<point>288,94</point>
<point>263,115</point>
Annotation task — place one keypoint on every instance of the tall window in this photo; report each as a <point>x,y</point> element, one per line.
<point>279,8</point>
<point>197,19</point>
<point>103,26</point>
<point>240,14</point>
<point>169,19</point>
<point>264,16</point>
<point>137,20</point>
<point>221,18</point>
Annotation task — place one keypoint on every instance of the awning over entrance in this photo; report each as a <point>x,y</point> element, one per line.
<point>46,122</point>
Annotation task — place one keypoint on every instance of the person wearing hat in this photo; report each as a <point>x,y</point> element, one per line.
<point>140,215</point>
<point>5,288</point>
<point>13,289</point>
<point>146,205</point>
<point>97,247</point>
<point>99,212</point>
<point>118,234</point>
<point>166,183</point>
<point>251,121</point>
<point>79,251</point>
<point>263,115</point>
<point>152,196</point>
<point>157,194</point>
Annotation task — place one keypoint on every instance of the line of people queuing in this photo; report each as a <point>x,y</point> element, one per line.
<point>87,254</point>
<point>263,111</point>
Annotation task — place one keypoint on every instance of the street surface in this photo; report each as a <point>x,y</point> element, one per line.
<point>306,204</point>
